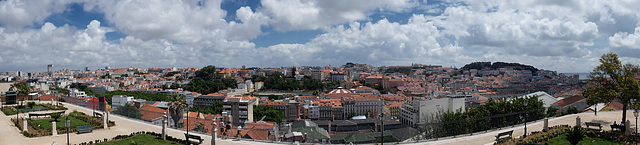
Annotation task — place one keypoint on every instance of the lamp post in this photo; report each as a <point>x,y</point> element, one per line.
<point>525,118</point>
<point>635,114</point>
<point>67,123</point>
<point>187,124</point>
<point>382,128</point>
<point>93,106</point>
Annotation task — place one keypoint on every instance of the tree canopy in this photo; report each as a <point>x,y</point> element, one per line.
<point>209,80</point>
<point>279,82</point>
<point>272,115</point>
<point>612,80</point>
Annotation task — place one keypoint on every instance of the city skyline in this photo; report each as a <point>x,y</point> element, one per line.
<point>564,36</point>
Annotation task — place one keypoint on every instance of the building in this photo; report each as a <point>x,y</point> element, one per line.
<point>189,97</point>
<point>120,100</point>
<point>209,99</point>
<point>363,105</point>
<point>240,108</point>
<point>50,69</point>
<point>73,92</point>
<point>420,111</point>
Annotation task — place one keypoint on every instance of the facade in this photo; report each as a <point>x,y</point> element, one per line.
<point>73,92</point>
<point>120,100</point>
<point>363,105</point>
<point>422,111</point>
<point>240,109</point>
<point>209,99</point>
<point>188,96</point>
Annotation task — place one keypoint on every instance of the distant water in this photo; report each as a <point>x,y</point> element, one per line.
<point>582,76</point>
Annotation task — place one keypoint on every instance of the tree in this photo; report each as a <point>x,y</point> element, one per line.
<point>55,116</point>
<point>270,113</point>
<point>129,111</point>
<point>611,80</point>
<point>209,80</point>
<point>22,90</point>
<point>177,103</point>
<point>273,97</point>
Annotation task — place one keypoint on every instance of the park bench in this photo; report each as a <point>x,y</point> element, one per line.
<point>589,124</point>
<point>509,133</point>
<point>619,127</point>
<point>60,104</point>
<point>84,128</point>
<point>194,137</point>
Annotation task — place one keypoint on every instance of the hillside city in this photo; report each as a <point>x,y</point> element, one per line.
<point>352,103</point>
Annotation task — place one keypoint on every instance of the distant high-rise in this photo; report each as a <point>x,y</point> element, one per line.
<point>86,68</point>
<point>50,68</point>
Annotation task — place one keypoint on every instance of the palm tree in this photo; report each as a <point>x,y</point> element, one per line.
<point>176,104</point>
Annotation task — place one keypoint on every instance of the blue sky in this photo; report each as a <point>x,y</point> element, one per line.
<point>567,36</point>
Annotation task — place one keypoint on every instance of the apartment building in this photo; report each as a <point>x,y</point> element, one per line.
<point>240,109</point>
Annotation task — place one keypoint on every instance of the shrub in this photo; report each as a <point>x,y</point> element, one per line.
<point>575,135</point>
<point>55,116</point>
<point>31,104</point>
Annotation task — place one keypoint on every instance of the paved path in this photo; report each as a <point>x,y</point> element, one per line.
<point>10,135</point>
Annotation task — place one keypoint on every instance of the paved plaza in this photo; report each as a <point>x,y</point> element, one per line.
<point>12,136</point>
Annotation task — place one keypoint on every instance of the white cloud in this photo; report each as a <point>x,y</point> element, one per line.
<point>188,21</point>
<point>16,14</point>
<point>315,14</point>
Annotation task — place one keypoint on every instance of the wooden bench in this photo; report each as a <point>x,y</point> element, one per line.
<point>509,133</point>
<point>194,137</point>
<point>84,128</point>
<point>619,127</point>
<point>589,124</point>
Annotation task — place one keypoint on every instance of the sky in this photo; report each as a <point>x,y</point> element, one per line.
<point>565,36</point>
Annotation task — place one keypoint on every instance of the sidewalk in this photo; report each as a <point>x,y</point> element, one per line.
<point>11,135</point>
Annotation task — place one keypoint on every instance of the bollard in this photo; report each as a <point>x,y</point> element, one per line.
<point>53,128</point>
<point>214,132</point>
<point>545,128</point>
<point>104,119</point>
<point>164,126</point>
<point>24,126</point>
<point>578,121</point>
<point>627,131</point>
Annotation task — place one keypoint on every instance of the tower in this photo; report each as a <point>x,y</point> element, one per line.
<point>50,68</point>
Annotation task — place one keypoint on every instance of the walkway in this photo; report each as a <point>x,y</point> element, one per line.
<point>11,135</point>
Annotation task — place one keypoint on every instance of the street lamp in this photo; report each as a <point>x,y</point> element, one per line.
<point>635,113</point>
<point>525,118</point>
<point>67,123</point>
<point>382,128</point>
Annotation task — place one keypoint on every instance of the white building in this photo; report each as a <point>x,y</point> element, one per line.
<point>188,96</point>
<point>120,100</point>
<point>421,110</point>
<point>313,110</point>
<point>259,85</point>
<point>73,92</point>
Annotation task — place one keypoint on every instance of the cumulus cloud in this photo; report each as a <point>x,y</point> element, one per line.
<point>16,14</point>
<point>188,21</point>
<point>380,43</point>
<point>314,14</point>
<point>194,33</point>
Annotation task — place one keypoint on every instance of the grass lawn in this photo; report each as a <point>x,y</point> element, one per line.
<point>140,139</point>
<point>585,141</point>
<point>46,123</point>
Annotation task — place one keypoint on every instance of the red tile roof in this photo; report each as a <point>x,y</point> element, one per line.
<point>150,112</point>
